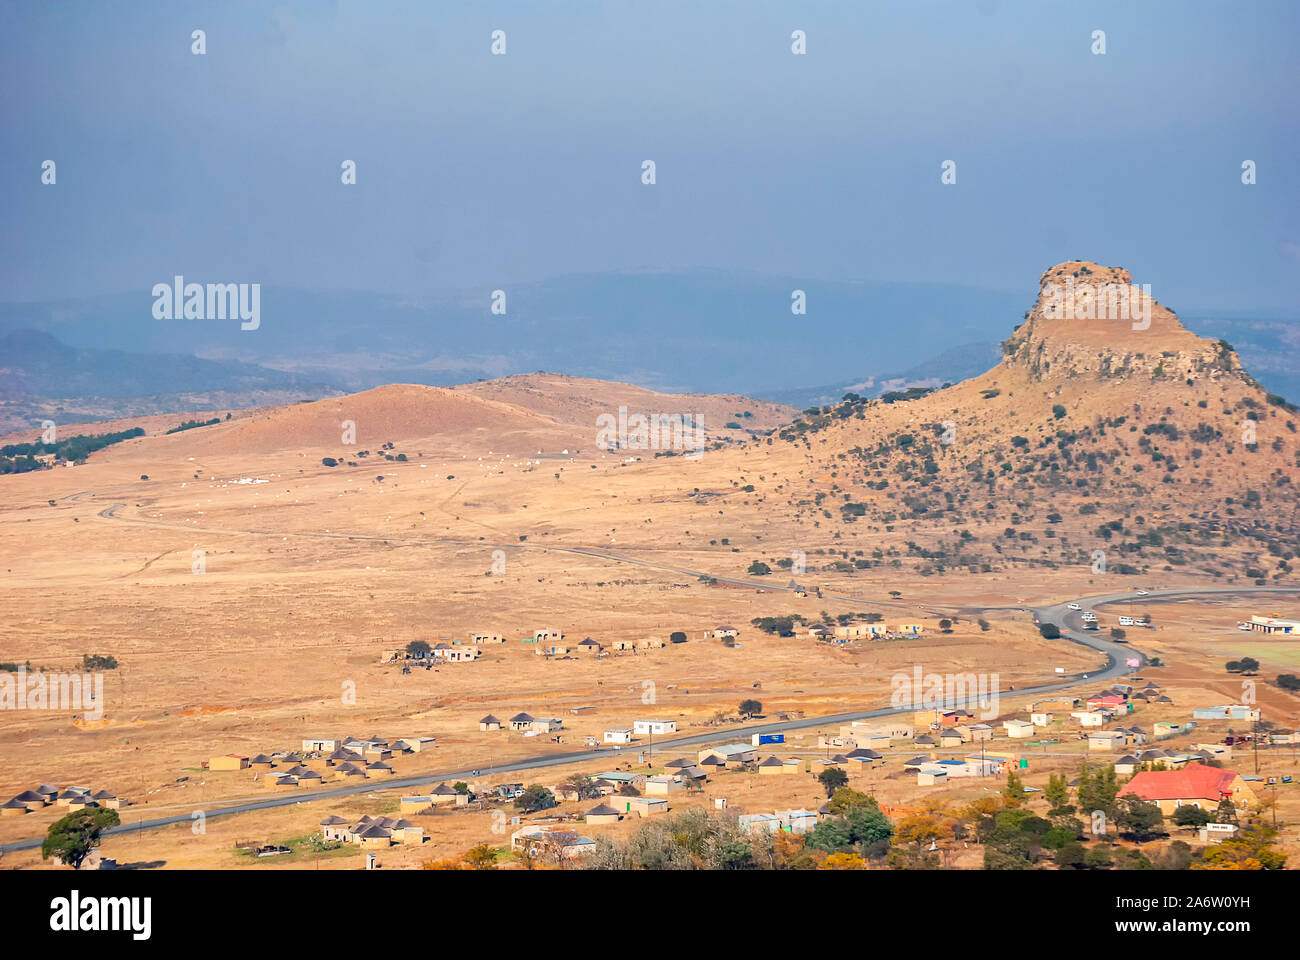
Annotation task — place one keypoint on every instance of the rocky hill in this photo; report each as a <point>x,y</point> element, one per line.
<point>1136,441</point>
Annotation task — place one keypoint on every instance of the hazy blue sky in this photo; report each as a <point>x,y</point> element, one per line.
<point>476,169</point>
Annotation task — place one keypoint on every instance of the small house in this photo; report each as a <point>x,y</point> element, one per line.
<point>1106,740</point>
<point>415,804</point>
<point>759,823</point>
<point>644,806</point>
<point>229,761</point>
<point>772,765</point>
<point>662,786</point>
<point>1018,729</point>
<point>602,813</point>
<point>655,727</point>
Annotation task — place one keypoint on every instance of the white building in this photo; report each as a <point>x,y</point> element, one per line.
<point>657,727</point>
<point>1019,729</point>
<point>1271,625</point>
<point>662,786</point>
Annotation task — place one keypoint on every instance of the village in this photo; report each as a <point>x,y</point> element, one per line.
<point>1190,757</point>
<point>1165,751</point>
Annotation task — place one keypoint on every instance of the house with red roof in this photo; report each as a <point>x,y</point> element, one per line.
<point>1195,785</point>
<point>1107,700</point>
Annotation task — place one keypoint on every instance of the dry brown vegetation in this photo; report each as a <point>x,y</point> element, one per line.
<point>310,574</point>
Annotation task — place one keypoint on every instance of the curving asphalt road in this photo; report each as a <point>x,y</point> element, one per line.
<point>1069,621</point>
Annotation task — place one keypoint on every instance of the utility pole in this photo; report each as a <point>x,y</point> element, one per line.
<point>1254,739</point>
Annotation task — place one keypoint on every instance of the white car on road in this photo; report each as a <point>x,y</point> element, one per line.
<point>1074,606</point>
<point>1142,593</point>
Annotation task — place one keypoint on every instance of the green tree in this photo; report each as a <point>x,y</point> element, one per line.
<point>1097,790</point>
<point>832,779</point>
<point>535,798</point>
<point>1098,858</point>
<point>845,799</point>
<point>73,837</point>
<point>1049,631</point>
<point>1071,855</point>
<point>867,825</point>
<point>1015,787</point>
<point>582,786</point>
<point>1058,838</point>
<point>1140,818</point>
<point>1057,793</point>
<point>418,648</point>
<point>750,708</point>
<point>1193,818</point>
<point>759,569</point>
<point>481,857</point>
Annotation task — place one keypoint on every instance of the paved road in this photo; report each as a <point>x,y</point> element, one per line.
<point>1115,656</point>
<point>1071,629</point>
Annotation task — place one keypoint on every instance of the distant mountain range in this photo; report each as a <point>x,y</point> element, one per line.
<point>700,332</point>
<point>41,377</point>
<point>703,332</point>
<point>34,363</point>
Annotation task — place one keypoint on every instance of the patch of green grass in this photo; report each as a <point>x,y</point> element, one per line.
<point>304,851</point>
<point>1286,654</point>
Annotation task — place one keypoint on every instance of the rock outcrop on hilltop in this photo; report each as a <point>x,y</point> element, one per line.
<point>1121,434</point>
<point>1093,322</point>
